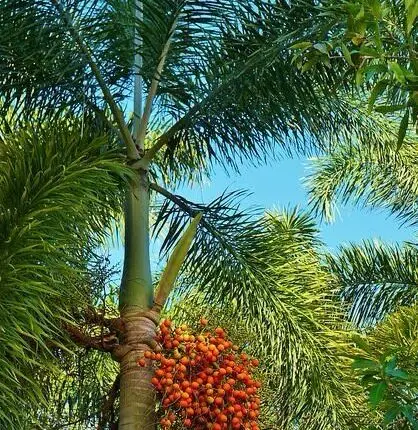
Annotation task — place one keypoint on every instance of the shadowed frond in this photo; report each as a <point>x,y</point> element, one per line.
<point>226,88</point>
<point>39,69</point>
<point>52,212</point>
<point>375,279</point>
<point>76,391</point>
<point>81,390</point>
<point>249,70</point>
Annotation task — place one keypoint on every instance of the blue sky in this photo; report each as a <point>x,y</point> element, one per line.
<point>280,185</point>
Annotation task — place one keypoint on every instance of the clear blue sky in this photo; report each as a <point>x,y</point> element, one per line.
<point>280,185</point>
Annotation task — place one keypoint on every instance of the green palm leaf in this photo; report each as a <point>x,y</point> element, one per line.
<point>266,274</point>
<point>52,212</point>
<point>227,91</point>
<point>396,335</point>
<point>375,174</point>
<point>375,279</point>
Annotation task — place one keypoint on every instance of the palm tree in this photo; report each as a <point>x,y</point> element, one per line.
<point>375,277</point>
<point>220,89</point>
<point>53,217</point>
<point>374,46</point>
<point>301,340</point>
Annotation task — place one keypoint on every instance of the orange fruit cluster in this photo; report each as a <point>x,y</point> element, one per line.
<point>202,380</point>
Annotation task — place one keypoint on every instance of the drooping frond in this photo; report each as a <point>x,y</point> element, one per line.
<point>76,392</point>
<point>249,70</point>
<point>39,69</point>
<point>227,89</point>
<point>375,279</point>
<point>266,273</point>
<point>60,188</point>
<point>375,175</point>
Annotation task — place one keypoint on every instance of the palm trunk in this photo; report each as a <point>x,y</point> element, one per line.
<point>137,398</point>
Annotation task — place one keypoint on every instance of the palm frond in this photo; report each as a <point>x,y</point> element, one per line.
<point>375,279</point>
<point>60,187</point>
<point>81,389</point>
<point>397,335</point>
<point>226,61</point>
<point>266,273</point>
<point>75,391</point>
<point>374,174</point>
<point>42,70</point>
<point>249,70</point>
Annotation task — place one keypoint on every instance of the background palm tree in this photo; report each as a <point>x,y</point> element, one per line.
<point>300,341</point>
<point>376,276</point>
<point>375,42</point>
<point>53,217</point>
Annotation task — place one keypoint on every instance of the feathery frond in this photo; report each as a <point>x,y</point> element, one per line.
<point>81,391</point>
<point>375,279</point>
<point>51,213</point>
<point>397,334</point>
<point>374,174</point>
<point>267,274</point>
<point>249,70</point>
<point>227,92</point>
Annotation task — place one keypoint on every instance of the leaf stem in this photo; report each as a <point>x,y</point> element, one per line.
<point>132,152</point>
<point>142,129</point>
